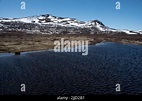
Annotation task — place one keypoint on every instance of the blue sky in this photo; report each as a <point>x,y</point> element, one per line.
<point>128,17</point>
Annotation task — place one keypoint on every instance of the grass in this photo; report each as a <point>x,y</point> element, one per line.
<point>22,42</point>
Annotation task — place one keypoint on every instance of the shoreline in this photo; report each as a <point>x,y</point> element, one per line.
<point>16,42</point>
<point>51,49</point>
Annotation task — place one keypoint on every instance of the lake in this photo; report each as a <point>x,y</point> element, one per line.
<point>50,73</point>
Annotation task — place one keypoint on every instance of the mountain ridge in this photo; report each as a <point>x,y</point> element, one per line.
<point>46,21</point>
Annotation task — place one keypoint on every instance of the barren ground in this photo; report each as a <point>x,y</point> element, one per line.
<point>20,42</point>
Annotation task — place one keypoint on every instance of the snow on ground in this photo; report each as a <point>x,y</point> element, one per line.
<point>128,32</point>
<point>66,22</point>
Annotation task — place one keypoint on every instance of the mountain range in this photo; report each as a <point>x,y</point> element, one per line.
<point>49,24</point>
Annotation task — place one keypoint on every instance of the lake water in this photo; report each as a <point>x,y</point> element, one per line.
<point>50,73</point>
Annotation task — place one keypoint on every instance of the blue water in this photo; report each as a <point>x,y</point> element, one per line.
<point>50,73</point>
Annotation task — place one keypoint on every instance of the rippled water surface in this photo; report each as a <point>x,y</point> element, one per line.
<point>47,72</point>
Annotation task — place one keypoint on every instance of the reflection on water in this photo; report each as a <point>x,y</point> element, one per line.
<point>52,73</point>
<point>6,54</point>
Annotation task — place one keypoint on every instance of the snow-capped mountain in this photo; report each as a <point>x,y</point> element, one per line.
<point>53,24</point>
<point>140,32</point>
<point>47,19</point>
<point>130,32</point>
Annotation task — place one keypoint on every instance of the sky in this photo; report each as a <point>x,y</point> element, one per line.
<point>129,16</point>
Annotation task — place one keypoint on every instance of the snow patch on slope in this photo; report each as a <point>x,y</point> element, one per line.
<point>65,22</point>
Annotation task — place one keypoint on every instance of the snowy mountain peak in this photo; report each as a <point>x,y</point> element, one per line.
<point>97,22</point>
<point>48,20</point>
<point>54,20</point>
